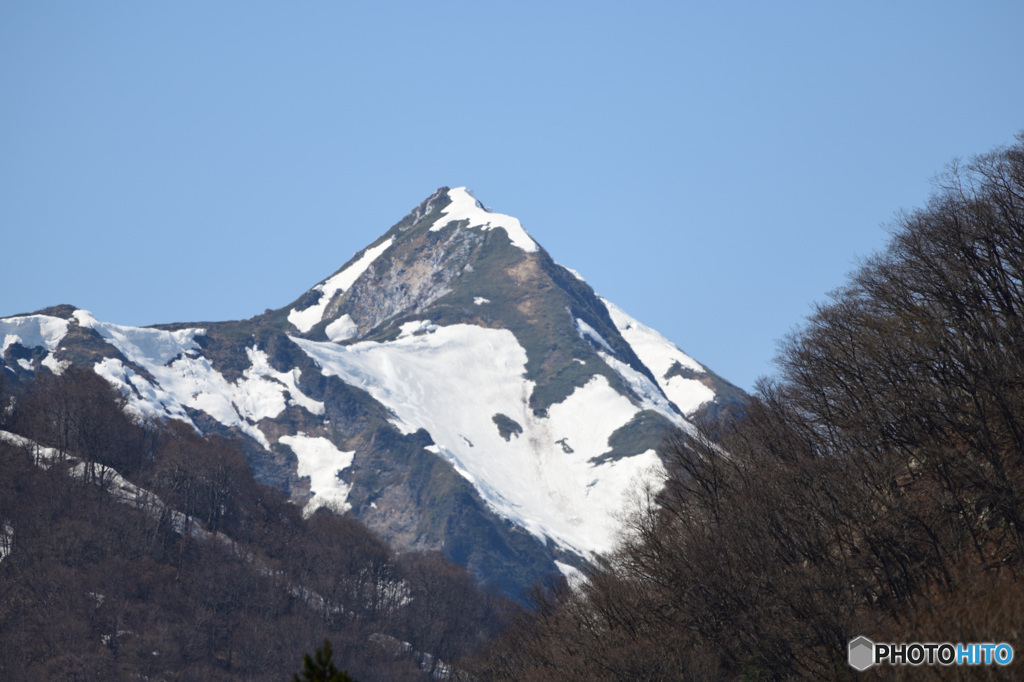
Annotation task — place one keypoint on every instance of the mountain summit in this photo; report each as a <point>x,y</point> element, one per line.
<point>451,385</point>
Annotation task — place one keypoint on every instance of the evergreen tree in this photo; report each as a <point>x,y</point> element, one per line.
<point>321,668</point>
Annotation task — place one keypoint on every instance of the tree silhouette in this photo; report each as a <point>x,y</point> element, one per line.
<point>320,667</point>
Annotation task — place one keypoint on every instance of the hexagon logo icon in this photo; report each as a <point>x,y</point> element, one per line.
<point>862,653</point>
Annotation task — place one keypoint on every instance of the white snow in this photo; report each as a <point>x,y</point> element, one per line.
<point>464,206</point>
<point>651,396</point>
<point>54,365</point>
<point>342,329</point>
<point>572,272</point>
<point>186,379</point>
<point>304,320</point>
<point>32,331</point>
<point>43,456</point>
<point>321,461</point>
<point>585,331</point>
<point>453,381</point>
<point>117,486</point>
<point>6,539</point>
<point>416,327</point>
<point>660,355</point>
<point>480,300</point>
<point>142,345</point>
<point>573,575</point>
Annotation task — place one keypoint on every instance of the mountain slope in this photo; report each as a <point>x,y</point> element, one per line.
<point>451,385</point>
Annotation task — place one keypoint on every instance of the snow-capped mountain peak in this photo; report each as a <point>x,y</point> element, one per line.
<point>465,206</point>
<point>451,385</point>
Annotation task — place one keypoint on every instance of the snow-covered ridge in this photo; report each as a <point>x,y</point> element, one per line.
<point>186,379</point>
<point>261,393</point>
<point>660,355</point>
<point>455,380</point>
<point>142,345</point>
<point>306,319</point>
<point>32,331</point>
<point>464,206</point>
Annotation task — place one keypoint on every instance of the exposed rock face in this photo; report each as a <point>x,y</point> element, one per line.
<point>418,274</point>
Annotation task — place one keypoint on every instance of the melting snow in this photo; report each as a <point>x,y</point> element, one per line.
<point>321,461</point>
<point>416,327</point>
<point>586,331</point>
<point>141,345</point>
<point>464,206</point>
<point>660,355</point>
<point>651,396</point>
<point>304,320</point>
<point>480,300</point>
<point>573,575</point>
<point>54,365</point>
<point>452,381</point>
<point>572,272</point>
<point>186,379</point>
<point>342,329</point>
<point>6,539</point>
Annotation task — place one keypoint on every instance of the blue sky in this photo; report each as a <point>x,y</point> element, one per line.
<point>712,168</point>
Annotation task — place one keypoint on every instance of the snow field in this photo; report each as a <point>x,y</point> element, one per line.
<point>452,380</point>
<point>659,355</point>
<point>186,379</point>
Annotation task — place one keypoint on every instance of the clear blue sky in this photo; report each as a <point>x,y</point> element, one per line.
<point>712,168</point>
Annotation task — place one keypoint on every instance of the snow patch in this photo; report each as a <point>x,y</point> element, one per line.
<point>342,329</point>
<point>416,327</point>
<point>6,539</point>
<point>586,331</point>
<point>651,395</point>
<point>54,365</point>
<point>304,320</point>
<point>464,206</point>
<point>573,576</point>
<point>480,300</point>
<point>321,461</point>
<point>572,272</point>
<point>659,355</point>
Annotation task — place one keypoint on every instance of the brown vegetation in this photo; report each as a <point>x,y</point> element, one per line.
<point>96,588</point>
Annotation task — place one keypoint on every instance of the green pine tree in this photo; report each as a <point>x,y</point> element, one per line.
<point>321,668</point>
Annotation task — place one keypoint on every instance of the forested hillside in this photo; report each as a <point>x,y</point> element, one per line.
<point>873,488</point>
<point>184,568</point>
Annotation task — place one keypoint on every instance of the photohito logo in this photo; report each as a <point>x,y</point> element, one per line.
<point>863,653</point>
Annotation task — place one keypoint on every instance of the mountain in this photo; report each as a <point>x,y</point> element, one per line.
<point>451,386</point>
